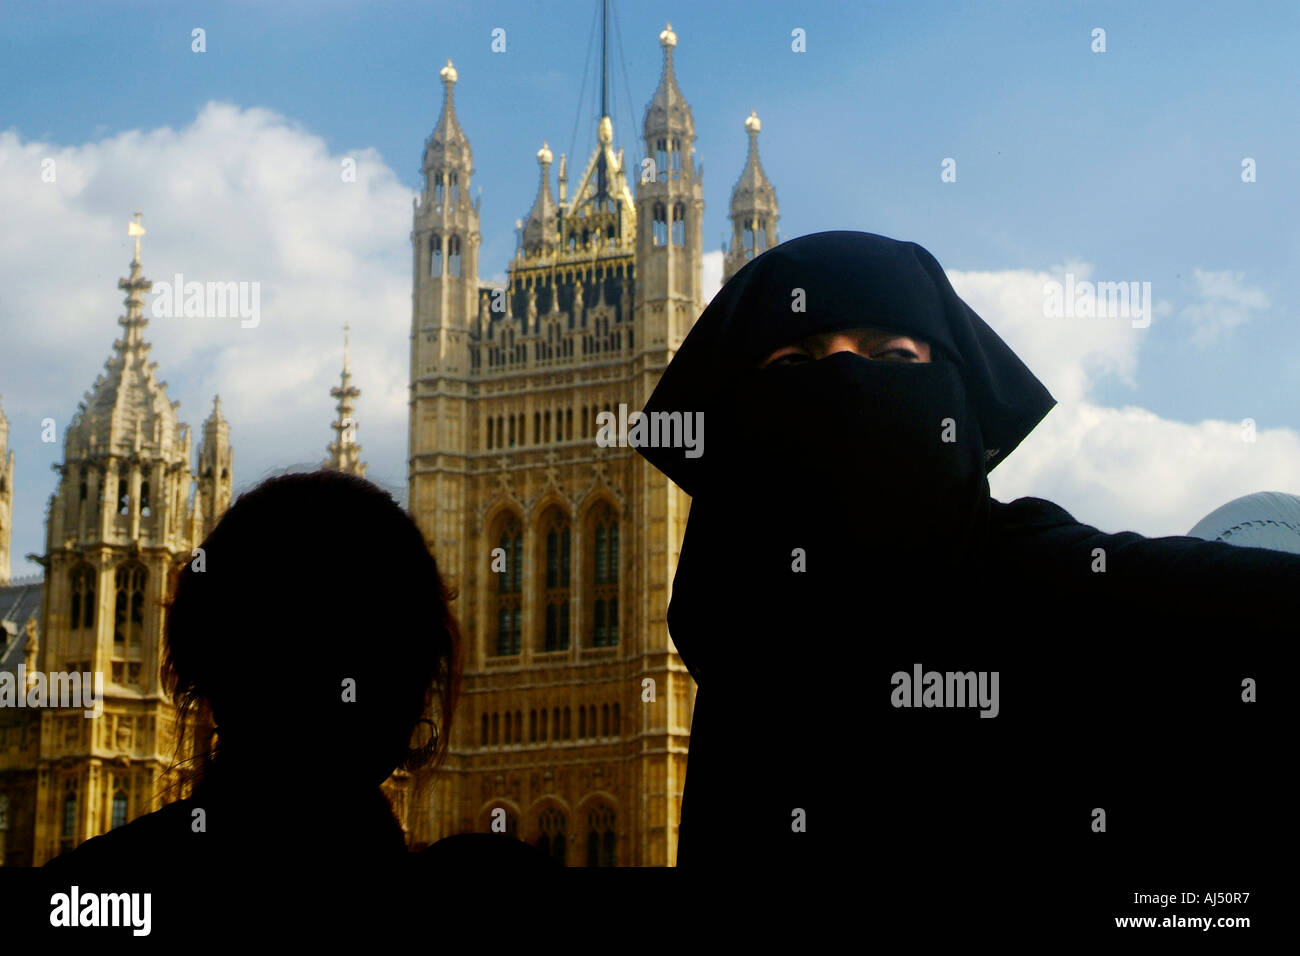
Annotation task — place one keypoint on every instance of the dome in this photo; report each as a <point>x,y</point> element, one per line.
<point>1265,519</point>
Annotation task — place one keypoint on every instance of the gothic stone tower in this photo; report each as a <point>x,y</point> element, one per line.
<point>562,551</point>
<point>119,522</point>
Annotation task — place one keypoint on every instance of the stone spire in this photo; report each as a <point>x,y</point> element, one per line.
<point>6,498</point>
<point>753,210</point>
<point>216,468</point>
<point>448,141</point>
<point>345,453</point>
<point>539,230</point>
<point>668,112</point>
<point>127,411</point>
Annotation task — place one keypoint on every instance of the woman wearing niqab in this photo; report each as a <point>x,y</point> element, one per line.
<point>841,534</point>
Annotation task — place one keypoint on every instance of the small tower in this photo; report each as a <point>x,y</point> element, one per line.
<point>669,213</point>
<point>216,466</point>
<point>445,302</point>
<point>119,523</point>
<point>753,210</point>
<point>345,453</point>
<point>6,497</point>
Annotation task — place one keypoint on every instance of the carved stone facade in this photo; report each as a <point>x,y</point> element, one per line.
<point>575,714</point>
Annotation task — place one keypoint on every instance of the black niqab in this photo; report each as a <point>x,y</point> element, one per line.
<point>841,531</point>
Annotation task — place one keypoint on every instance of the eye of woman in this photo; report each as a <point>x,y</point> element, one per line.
<point>794,357</point>
<point>896,354</point>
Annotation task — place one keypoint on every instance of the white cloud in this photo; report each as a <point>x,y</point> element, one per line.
<point>237,195</point>
<point>711,280</point>
<point>1226,302</point>
<point>1117,468</point>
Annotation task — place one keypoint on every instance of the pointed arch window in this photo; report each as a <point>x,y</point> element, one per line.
<point>603,594</point>
<point>70,815</point>
<point>510,539</point>
<point>602,841</point>
<point>454,178</point>
<point>119,810</point>
<point>81,489</point>
<point>128,606</point>
<point>145,509</point>
<point>679,224</point>
<point>661,158</point>
<point>659,229</point>
<point>123,497</point>
<point>677,157</point>
<point>435,252</point>
<point>556,535</point>
<point>760,235</point>
<point>438,189</point>
<point>453,254</point>
<point>552,838</point>
<point>82,611</point>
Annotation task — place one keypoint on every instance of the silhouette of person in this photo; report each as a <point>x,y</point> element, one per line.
<point>842,546</point>
<point>304,647</point>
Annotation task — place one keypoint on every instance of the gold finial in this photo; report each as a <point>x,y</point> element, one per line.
<point>136,229</point>
<point>544,154</point>
<point>752,124</point>
<point>448,72</point>
<point>667,37</point>
<point>605,131</point>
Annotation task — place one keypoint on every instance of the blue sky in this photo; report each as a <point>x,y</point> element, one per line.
<point>1126,164</point>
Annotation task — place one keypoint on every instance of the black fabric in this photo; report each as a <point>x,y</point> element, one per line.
<point>837,280</point>
<point>1118,689</point>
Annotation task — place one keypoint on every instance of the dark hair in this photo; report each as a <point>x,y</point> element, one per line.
<point>308,582</point>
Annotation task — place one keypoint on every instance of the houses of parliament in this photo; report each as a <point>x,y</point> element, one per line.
<point>575,710</point>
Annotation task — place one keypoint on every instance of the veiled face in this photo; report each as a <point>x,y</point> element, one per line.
<point>868,342</point>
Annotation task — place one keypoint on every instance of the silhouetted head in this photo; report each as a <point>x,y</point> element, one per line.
<point>314,629</point>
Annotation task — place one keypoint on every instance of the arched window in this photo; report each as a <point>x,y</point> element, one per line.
<point>454,178</point>
<point>453,256</point>
<point>496,729</point>
<point>83,597</point>
<point>568,424</point>
<point>604,720</point>
<point>483,735</point>
<point>145,510</point>
<point>510,539</point>
<point>532,726</point>
<point>506,739</point>
<point>677,157</point>
<point>69,816</point>
<point>603,602</point>
<point>123,497</point>
<point>615,728</point>
<point>760,236</point>
<point>556,538</point>
<point>679,224</point>
<point>438,189</point>
<point>81,488</point>
<point>602,841</point>
<point>435,252</point>
<point>542,734</point>
<point>568,726</point>
<point>128,606</point>
<point>551,836</point>
<point>582,723</point>
<point>119,809</point>
<point>660,225</point>
<point>661,159</point>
